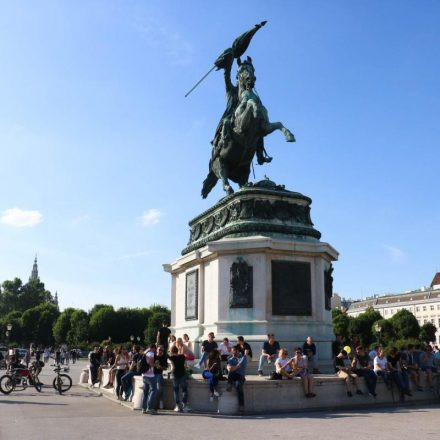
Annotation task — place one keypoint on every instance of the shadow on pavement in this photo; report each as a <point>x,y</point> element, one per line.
<point>28,402</point>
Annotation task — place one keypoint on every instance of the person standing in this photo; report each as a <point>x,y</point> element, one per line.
<point>269,352</point>
<point>179,380</point>
<point>162,335</point>
<point>150,384</point>
<point>121,363</point>
<point>237,374</point>
<point>94,364</point>
<point>160,365</point>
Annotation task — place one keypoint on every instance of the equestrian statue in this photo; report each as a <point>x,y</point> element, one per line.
<point>240,133</point>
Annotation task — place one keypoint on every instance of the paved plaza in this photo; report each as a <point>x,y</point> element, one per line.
<point>83,414</point>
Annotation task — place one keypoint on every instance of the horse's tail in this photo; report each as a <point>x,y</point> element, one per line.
<point>209,183</point>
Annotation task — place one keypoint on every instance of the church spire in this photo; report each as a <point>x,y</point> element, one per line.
<point>34,274</point>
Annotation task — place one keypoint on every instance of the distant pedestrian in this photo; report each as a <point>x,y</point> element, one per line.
<point>162,335</point>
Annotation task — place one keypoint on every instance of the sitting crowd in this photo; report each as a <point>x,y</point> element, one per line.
<point>397,368</point>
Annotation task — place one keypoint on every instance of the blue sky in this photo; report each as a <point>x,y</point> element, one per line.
<point>102,158</point>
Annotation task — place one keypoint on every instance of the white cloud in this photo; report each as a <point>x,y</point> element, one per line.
<point>151,217</point>
<point>20,218</point>
<point>81,219</point>
<point>395,254</point>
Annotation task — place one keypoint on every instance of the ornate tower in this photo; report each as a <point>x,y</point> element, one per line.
<point>34,274</point>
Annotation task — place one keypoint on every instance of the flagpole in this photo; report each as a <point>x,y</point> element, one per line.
<point>200,80</point>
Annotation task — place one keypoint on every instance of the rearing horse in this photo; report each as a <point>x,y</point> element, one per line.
<point>240,132</point>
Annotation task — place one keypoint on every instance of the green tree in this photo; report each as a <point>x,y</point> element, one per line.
<point>37,324</point>
<point>405,324</point>
<point>427,332</point>
<point>340,323</point>
<point>10,295</point>
<point>360,326</point>
<point>131,322</point>
<point>103,323</point>
<point>154,323</point>
<point>79,328</point>
<point>16,334</point>
<point>62,325</point>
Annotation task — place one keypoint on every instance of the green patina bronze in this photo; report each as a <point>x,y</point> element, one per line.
<point>263,208</point>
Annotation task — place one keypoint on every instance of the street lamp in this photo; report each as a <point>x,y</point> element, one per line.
<point>378,329</point>
<point>131,338</point>
<point>8,332</point>
<point>138,338</point>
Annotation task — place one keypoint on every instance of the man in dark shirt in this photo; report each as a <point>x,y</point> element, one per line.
<point>162,336</point>
<point>95,363</point>
<point>363,367</point>
<point>398,373</point>
<point>160,365</point>
<point>244,347</point>
<point>269,353</point>
<point>207,346</point>
<point>179,380</point>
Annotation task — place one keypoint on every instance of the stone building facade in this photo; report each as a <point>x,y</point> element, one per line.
<point>424,304</point>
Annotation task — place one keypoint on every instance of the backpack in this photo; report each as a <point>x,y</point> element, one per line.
<point>142,365</point>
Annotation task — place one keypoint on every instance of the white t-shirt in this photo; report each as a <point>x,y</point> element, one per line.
<point>382,363</point>
<point>150,360</point>
<point>280,363</point>
<point>223,348</point>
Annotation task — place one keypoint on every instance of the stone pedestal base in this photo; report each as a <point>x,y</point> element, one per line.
<point>281,291</point>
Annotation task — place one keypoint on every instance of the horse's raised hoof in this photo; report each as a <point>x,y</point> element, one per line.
<point>289,136</point>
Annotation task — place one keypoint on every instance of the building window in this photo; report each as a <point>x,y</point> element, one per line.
<point>386,312</point>
<point>438,307</point>
<point>424,308</point>
<point>432,321</point>
<point>439,322</point>
<point>432,307</point>
<point>417,309</point>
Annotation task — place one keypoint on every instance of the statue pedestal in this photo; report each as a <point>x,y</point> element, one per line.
<point>254,265</point>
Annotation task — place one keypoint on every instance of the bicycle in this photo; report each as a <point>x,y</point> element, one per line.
<point>62,382</point>
<point>20,378</point>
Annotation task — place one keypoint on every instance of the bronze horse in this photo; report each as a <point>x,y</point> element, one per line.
<point>241,130</point>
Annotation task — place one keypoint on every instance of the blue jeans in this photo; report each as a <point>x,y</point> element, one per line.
<point>385,376</point>
<point>264,360</point>
<point>127,384</point>
<point>401,379</point>
<point>237,380</point>
<point>150,390</point>
<point>180,382</point>
<point>203,358</point>
<point>160,385</point>
<point>370,379</point>
<point>212,380</point>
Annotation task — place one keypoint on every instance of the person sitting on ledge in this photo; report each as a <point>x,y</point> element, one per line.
<point>398,372</point>
<point>207,346</point>
<point>309,350</point>
<point>381,367</point>
<point>363,367</point>
<point>269,352</point>
<point>343,364</point>
<point>212,373</point>
<point>283,365</point>
<point>183,349</point>
<point>427,365</point>
<point>237,374</point>
<point>299,365</point>
<point>244,347</point>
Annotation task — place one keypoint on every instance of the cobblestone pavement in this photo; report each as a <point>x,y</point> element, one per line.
<point>82,414</point>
